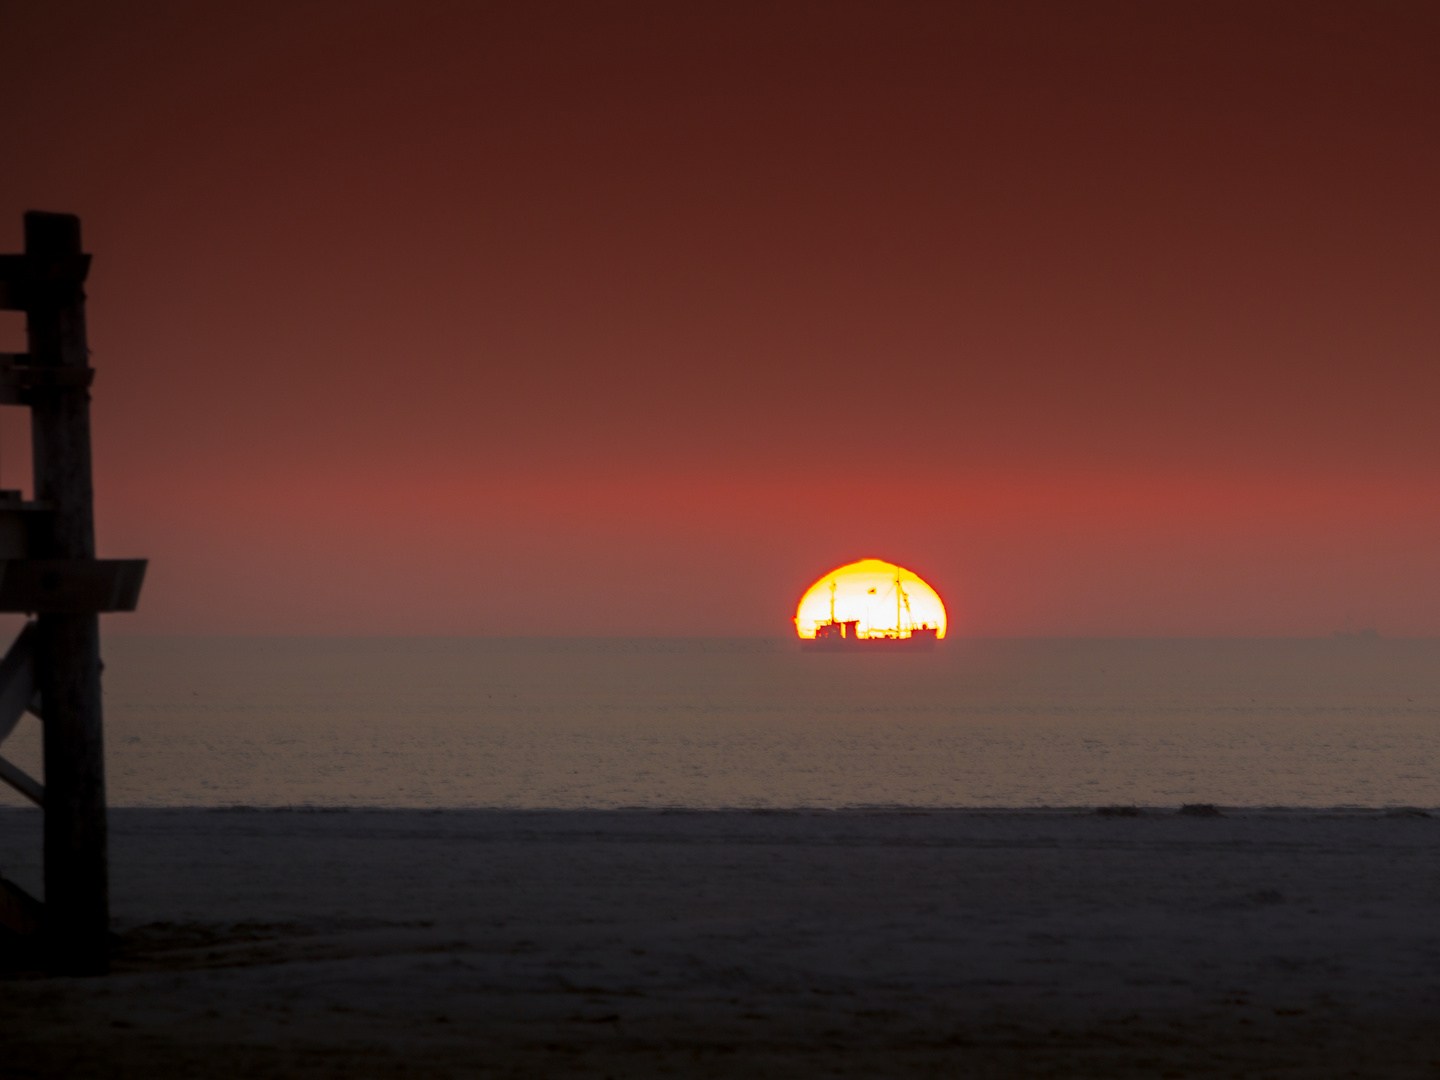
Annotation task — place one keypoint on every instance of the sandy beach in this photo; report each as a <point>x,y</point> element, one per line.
<point>496,943</point>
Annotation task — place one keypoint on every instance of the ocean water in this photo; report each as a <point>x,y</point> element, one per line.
<point>605,723</point>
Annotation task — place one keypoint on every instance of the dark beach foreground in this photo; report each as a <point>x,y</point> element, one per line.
<point>868,943</point>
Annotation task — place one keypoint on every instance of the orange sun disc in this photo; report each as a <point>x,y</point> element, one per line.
<point>885,600</point>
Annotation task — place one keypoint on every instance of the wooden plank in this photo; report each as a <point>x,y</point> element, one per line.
<point>70,585</point>
<point>22,782</point>
<point>29,279</point>
<point>59,260</point>
<point>18,372</point>
<point>17,680</point>
<point>77,889</point>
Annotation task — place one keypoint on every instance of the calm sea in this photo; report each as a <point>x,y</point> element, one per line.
<point>756,723</point>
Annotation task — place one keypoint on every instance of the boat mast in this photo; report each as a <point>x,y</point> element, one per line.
<point>898,595</point>
<point>832,601</point>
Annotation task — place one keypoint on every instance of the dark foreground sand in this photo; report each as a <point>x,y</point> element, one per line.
<point>460,943</point>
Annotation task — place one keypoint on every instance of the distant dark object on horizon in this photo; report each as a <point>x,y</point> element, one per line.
<point>1200,809</point>
<point>846,637</point>
<point>1368,633</point>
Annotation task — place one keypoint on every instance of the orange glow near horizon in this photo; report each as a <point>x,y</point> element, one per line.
<point>866,591</point>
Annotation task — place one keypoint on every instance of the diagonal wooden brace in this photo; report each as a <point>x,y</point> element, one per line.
<point>20,913</point>
<point>18,693</point>
<point>22,782</point>
<point>17,680</point>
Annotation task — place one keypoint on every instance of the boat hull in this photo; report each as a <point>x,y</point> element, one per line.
<point>917,643</point>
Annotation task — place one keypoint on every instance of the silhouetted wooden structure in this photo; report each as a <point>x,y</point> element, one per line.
<point>48,569</point>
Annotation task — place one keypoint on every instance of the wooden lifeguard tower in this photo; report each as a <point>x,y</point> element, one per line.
<point>48,570</point>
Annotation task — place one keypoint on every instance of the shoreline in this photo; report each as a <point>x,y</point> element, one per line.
<point>901,809</point>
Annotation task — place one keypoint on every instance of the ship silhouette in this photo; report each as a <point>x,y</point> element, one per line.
<point>1366,633</point>
<point>845,635</point>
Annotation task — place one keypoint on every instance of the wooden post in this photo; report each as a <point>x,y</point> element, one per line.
<point>48,569</point>
<point>77,893</point>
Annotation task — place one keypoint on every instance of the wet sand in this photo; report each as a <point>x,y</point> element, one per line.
<point>496,943</point>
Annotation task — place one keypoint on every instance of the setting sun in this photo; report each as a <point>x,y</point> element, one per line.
<point>870,599</point>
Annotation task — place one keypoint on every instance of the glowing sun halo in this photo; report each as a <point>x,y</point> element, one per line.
<point>865,590</point>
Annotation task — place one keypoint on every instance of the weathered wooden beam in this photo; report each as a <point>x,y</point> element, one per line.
<point>20,379</point>
<point>77,892</point>
<point>40,267</point>
<point>27,279</point>
<point>70,585</point>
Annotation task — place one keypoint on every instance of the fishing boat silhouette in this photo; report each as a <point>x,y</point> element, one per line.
<point>845,635</point>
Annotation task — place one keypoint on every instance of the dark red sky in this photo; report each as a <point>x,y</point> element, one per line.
<point>635,318</point>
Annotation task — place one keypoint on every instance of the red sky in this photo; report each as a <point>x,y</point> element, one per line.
<point>577,318</point>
